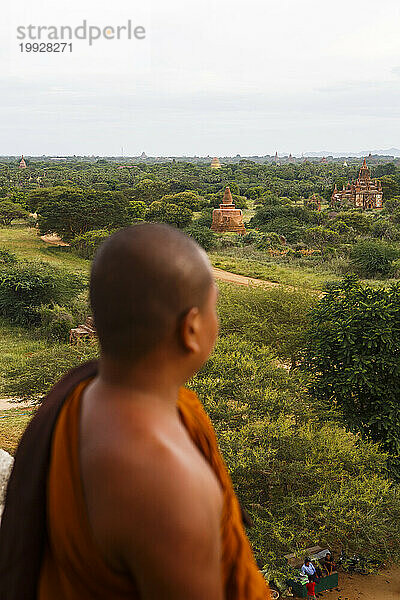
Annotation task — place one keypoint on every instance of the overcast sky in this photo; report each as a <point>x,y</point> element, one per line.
<point>213,77</point>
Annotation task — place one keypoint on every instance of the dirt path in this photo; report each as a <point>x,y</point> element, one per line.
<point>242,280</point>
<point>53,240</point>
<point>7,403</point>
<point>383,586</point>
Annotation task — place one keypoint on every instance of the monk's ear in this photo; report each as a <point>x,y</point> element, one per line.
<point>190,330</point>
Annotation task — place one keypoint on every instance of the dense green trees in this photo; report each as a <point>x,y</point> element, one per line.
<point>136,210</point>
<point>289,221</point>
<point>71,211</point>
<point>172,214</point>
<point>188,199</point>
<point>321,237</point>
<point>353,354</point>
<point>148,190</point>
<point>9,211</point>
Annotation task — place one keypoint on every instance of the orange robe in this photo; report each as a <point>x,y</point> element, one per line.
<point>73,568</point>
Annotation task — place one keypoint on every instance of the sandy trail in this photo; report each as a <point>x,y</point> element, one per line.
<point>383,586</point>
<point>53,240</point>
<point>7,403</point>
<point>242,280</point>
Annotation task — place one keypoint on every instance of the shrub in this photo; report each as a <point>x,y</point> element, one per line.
<point>7,257</point>
<point>356,220</point>
<point>86,245</point>
<point>385,230</point>
<point>276,317</point>
<point>25,286</point>
<point>205,218</point>
<point>373,258</point>
<point>320,237</point>
<point>203,236</point>
<point>252,237</point>
<point>229,240</point>
<point>79,307</point>
<point>270,240</point>
<point>31,377</point>
<point>56,321</point>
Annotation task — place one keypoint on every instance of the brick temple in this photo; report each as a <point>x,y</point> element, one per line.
<point>364,193</point>
<point>227,217</point>
<point>22,164</point>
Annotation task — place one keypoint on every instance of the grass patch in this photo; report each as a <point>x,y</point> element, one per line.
<point>16,346</point>
<point>249,212</point>
<point>26,244</point>
<point>12,425</point>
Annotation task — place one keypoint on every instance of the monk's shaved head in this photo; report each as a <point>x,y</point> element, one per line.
<point>144,279</point>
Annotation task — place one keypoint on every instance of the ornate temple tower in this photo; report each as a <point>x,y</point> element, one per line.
<point>22,164</point>
<point>364,193</point>
<point>227,217</point>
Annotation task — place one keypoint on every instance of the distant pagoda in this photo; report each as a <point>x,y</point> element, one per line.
<point>227,217</point>
<point>22,163</point>
<point>365,193</point>
<point>313,202</point>
<point>215,164</point>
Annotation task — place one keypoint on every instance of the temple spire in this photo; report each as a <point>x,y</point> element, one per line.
<point>227,196</point>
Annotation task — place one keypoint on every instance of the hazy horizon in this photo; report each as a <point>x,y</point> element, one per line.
<point>311,154</point>
<point>209,79</point>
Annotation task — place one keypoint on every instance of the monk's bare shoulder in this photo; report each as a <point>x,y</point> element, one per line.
<point>155,509</point>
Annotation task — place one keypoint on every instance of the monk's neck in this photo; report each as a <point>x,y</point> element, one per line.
<point>157,382</point>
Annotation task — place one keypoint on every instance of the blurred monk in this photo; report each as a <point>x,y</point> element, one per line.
<point>139,501</point>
